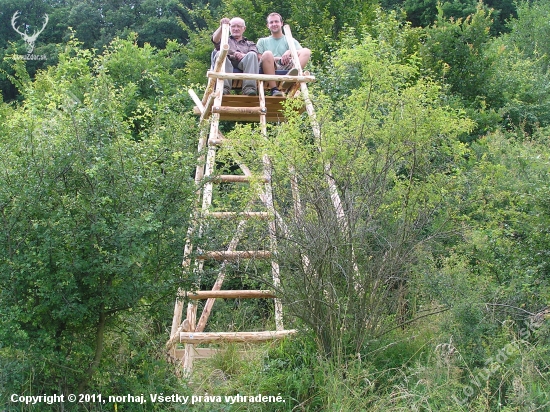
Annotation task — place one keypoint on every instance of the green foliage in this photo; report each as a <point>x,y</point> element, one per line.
<point>510,219</point>
<point>454,51</point>
<point>289,368</point>
<point>196,53</point>
<point>144,75</point>
<point>529,31</point>
<point>92,208</point>
<point>519,85</point>
<point>394,40</point>
<point>95,23</point>
<point>500,80</point>
<point>424,12</point>
<point>321,22</point>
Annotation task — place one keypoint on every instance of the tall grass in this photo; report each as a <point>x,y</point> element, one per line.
<point>417,369</point>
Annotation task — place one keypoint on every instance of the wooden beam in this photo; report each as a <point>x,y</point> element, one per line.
<point>239,110</point>
<point>197,101</point>
<point>230,294</point>
<point>273,105</point>
<point>232,215</point>
<point>205,353</point>
<point>262,77</point>
<point>235,255</point>
<point>220,59</point>
<point>212,337</point>
<point>237,179</point>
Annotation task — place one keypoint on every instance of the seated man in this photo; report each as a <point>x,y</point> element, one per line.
<point>275,53</point>
<point>242,54</point>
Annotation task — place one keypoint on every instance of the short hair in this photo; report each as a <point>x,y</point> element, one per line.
<point>274,14</point>
<point>238,18</point>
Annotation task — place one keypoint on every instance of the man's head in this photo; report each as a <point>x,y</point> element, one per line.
<point>275,23</point>
<point>237,27</point>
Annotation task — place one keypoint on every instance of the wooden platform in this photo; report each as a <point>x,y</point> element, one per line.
<point>273,107</point>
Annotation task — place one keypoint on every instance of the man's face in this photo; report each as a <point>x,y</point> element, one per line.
<point>237,28</point>
<point>274,24</point>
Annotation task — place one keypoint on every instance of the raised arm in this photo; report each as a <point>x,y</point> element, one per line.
<point>217,36</point>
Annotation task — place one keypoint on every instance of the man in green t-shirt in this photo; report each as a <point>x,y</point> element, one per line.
<point>275,53</point>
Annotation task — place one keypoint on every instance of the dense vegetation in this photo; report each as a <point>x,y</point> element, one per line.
<point>435,121</point>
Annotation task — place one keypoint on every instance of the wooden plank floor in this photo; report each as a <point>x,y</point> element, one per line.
<point>273,105</point>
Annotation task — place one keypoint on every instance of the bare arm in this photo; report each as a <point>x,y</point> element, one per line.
<point>217,36</point>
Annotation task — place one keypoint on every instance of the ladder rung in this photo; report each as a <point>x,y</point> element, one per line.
<point>239,110</point>
<point>210,337</point>
<point>230,294</point>
<point>238,179</point>
<point>229,215</point>
<point>235,255</point>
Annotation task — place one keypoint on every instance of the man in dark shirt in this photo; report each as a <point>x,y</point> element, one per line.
<point>242,54</point>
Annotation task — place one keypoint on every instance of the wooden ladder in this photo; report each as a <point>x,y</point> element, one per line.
<point>214,107</point>
<point>191,332</point>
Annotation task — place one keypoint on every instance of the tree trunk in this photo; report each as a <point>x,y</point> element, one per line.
<point>99,340</point>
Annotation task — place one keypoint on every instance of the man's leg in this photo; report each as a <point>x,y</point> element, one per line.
<point>228,69</point>
<point>303,56</point>
<point>249,64</point>
<point>268,67</point>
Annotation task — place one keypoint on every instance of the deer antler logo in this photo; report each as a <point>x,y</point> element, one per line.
<point>28,39</point>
